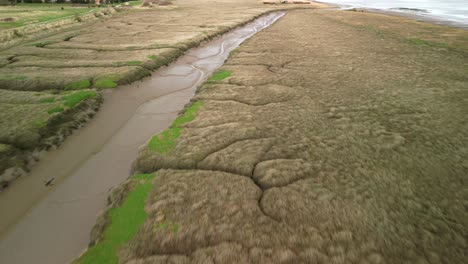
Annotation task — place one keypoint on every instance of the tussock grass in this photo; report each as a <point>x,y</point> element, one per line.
<point>125,221</point>
<point>167,226</point>
<point>166,140</point>
<point>4,148</point>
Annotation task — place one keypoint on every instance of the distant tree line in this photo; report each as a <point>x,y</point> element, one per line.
<point>89,2</point>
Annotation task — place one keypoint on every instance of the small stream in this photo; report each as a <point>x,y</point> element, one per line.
<point>51,225</point>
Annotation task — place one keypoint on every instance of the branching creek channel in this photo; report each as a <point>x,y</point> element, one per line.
<point>51,225</point>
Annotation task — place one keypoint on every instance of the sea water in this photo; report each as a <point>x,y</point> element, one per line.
<point>455,11</point>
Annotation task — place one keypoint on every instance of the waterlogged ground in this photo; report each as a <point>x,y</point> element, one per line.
<point>339,140</point>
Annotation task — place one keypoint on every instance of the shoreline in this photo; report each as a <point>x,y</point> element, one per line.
<point>414,16</point>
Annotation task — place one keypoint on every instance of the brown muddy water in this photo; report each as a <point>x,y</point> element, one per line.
<point>51,225</point>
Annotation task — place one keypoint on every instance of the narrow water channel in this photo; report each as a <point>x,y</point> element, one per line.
<point>51,225</point>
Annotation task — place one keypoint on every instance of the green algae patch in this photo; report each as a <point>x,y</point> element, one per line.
<point>166,140</point>
<point>220,76</point>
<point>83,84</point>
<point>125,221</point>
<point>73,99</point>
<point>152,57</point>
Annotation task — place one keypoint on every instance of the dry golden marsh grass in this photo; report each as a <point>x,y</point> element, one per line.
<point>339,140</point>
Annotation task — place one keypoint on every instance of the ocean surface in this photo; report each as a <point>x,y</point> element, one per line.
<point>454,11</point>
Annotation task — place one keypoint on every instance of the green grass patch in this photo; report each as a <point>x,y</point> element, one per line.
<point>133,63</point>
<point>134,3</point>
<point>189,114</point>
<point>83,84</point>
<point>174,228</point>
<point>54,110</point>
<point>5,148</point>
<point>152,57</point>
<point>166,140</point>
<point>40,123</point>
<point>106,82</point>
<point>143,177</point>
<point>422,42</point>
<point>14,77</point>
<point>73,99</point>
<point>220,76</point>
<point>47,100</point>
<point>125,221</point>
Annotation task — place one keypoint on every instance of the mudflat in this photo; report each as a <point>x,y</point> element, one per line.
<point>330,137</point>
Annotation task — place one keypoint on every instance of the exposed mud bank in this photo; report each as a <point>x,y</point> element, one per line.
<point>130,116</point>
<point>17,161</point>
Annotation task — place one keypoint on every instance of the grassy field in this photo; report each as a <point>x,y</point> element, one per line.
<point>28,14</point>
